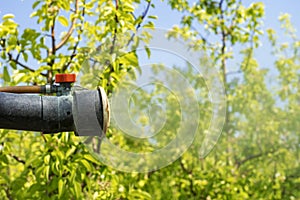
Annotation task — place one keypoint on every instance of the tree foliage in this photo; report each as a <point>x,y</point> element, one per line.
<point>257,156</point>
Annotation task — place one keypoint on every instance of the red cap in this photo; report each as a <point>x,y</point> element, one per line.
<point>65,78</point>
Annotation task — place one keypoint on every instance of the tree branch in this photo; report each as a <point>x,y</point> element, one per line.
<point>139,24</point>
<point>190,172</point>
<point>226,128</point>
<point>183,167</point>
<point>115,31</point>
<point>70,31</point>
<point>18,159</point>
<point>16,60</point>
<point>65,67</point>
<point>115,37</point>
<point>53,50</point>
<point>221,4</point>
<point>144,14</point>
<point>112,48</point>
<point>254,156</point>
<point>10,58</point>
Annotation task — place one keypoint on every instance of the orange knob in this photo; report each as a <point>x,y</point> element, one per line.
<point>65,78</point>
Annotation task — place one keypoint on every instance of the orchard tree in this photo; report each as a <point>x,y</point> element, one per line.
<point>257,156</point>
<point>260,132</point>
<point>58,166</point>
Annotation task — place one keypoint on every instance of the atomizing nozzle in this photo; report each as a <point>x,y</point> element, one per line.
<point>84,111</point>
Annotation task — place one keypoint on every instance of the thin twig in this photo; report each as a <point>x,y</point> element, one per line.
<point>19,160</point>
<point>46,35</point>
<point>234,72</point>
<point>44,138</point>
<point>254,156</point>
<point>201,36</point>
<point>140,23</point>
<point>184,168</point>
<point>115,30</point>
<point>75,46</point>
<point>52,52</point>
<point>65,67</point>
<point>144,14</point>
<point>70,31</point>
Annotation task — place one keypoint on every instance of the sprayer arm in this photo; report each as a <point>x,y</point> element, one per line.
<point>83,111</point>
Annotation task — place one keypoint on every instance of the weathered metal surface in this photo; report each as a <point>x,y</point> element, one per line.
<point>89,112</point>
<point>84,109</point>
<point>48,114</point>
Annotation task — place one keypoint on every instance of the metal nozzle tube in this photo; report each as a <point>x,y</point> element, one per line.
<point>52,114</point>
<point>48,114</point>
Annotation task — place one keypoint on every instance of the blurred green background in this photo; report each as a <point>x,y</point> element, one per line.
<point>255,48</point>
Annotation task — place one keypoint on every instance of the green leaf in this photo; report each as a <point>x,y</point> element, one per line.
<point>4,159</point>
<point>70,151</point>
<point>8,16</point>
<point>25,56</point>
<point>60,187</point>
<point>6,76</point>
<point>139,194</point>
<point>131,59</point>
<point>77,188</point>
<point>63,20</point>
<point>149,25</point>
<point>90,158</point>
<point>34,188</point>
<point>152,17</point>
<point>148,51</point>
<point>33,14</point>
<point>127,7</point>
<point>35,4</point>
<point>46,171</point>
<point>47,159</point>
<point>86,164</point>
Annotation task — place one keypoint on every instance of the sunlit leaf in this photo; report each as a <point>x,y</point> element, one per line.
<point>63,20</point>
<point>6,76</point>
